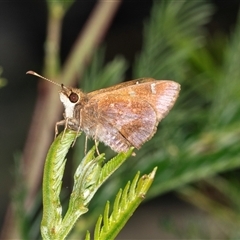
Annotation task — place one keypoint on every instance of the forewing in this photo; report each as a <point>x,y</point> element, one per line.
<point>160,94</point>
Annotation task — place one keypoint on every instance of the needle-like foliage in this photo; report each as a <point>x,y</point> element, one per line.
<point>125,203</point>
<point>90,174</point>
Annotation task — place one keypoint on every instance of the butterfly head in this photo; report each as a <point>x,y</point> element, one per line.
<point>70,97</point>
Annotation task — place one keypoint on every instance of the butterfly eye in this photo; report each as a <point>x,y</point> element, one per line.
<point>73,97</point>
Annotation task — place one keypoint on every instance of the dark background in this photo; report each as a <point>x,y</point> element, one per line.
<point>22,35</point>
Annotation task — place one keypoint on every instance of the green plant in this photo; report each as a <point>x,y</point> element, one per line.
<point>90,174</point>
<point>199,138</point>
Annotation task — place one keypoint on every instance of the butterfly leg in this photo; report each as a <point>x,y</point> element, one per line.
<point>62,122</point>
<point>96,141</point>
<point>77,132</point>
<point>96,145</point>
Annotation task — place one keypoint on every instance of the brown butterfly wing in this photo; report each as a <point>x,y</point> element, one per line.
<point>161,94</point>
<point>125,122</point>
<point>128,115</point>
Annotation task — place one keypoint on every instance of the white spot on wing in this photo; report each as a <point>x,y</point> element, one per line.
<point>153,88</point>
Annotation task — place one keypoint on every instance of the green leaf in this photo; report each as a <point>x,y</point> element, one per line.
<point>85,179</point>
<point>125,204</point>
<point>89,176</point>
<point>52,181</point>
<point>112,165</point>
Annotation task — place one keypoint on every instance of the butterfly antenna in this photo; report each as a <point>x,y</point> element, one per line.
<point>37,75</point>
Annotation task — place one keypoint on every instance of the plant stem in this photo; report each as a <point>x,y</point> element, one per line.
<point>89,39</point>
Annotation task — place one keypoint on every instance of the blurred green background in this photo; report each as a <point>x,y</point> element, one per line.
<point>197,151</point>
